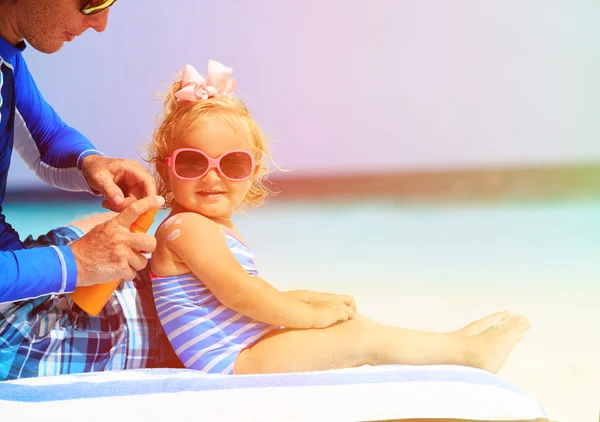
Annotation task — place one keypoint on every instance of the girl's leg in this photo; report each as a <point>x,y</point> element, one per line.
<point>359,342</point>
<point>476,327</point>
<point>482,324</point>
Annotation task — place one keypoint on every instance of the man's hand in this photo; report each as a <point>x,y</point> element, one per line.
<point>120,181</point>
<point>110,251</point>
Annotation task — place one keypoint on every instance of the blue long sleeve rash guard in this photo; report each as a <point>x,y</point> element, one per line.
<point>54,151</point>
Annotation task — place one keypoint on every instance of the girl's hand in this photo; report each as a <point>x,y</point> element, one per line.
<point>327,314</point>
<point>345,299</point>
<point>315,297</point>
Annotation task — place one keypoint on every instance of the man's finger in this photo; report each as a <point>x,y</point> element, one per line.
<point>110,206</point>
<point>138,179</point>
<point>128,216</point>
<point>137,262</point>
<point>126,202</point>
<point>146,180</point>
<point>143,243</point>
<point>111,191</point>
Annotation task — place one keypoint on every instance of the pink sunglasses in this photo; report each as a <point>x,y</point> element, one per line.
<point>191,164</point>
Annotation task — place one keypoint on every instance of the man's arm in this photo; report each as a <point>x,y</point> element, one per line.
<point>30,273</point>
<point>48,145</point>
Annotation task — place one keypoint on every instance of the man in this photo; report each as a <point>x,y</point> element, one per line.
<point>42,332</point>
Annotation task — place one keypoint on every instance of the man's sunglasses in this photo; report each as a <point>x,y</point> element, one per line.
<point>91,7</point>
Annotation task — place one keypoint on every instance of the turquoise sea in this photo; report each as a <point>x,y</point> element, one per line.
<point>540,245</point>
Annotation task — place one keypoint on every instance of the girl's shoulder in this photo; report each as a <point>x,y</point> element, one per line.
<point>183,220</point>
<point>181,235</point>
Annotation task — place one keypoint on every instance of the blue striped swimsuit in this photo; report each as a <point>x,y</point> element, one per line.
<point>206,335</point>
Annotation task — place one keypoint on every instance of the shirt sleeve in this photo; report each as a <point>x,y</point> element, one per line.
<point>51,148</point>
<point>30,273</point>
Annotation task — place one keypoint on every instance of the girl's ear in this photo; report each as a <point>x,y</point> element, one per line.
<point>256,169</point>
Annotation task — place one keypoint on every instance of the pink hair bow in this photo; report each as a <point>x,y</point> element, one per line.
<point>195,88</point>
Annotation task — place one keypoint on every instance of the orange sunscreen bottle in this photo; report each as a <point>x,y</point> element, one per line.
<point>93,298</point>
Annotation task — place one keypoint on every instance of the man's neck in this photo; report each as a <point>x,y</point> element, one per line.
<point>8,27</point>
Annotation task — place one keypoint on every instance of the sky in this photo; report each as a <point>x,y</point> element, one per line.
<point>349,85</point>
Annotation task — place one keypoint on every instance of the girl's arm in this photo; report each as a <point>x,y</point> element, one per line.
<point>201,246</point>
<point>309,296</point>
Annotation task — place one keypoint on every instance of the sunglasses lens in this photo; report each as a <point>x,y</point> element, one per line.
<point>237,165</point>
<point>190,164</point>
<point>96,6</point>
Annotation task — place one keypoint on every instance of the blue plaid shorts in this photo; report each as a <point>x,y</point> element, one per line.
<point>51,335</point>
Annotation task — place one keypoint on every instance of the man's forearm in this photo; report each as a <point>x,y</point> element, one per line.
<point>30,273</point>
<point>48,145</point>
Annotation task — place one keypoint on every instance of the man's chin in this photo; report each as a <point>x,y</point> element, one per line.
<point>47,47</point>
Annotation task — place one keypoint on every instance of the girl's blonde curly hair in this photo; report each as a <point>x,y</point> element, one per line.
<point>180,117</point>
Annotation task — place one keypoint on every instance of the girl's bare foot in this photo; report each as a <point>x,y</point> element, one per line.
<point>491,348</point>
<point>482,324</point>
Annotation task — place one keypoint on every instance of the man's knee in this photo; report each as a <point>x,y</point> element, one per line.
<point>87,223</point>
<point>61,236</point>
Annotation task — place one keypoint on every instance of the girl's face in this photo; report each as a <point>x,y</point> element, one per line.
<point>212,195</point>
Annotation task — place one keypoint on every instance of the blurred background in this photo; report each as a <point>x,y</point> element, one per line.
<point>444,157</point>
